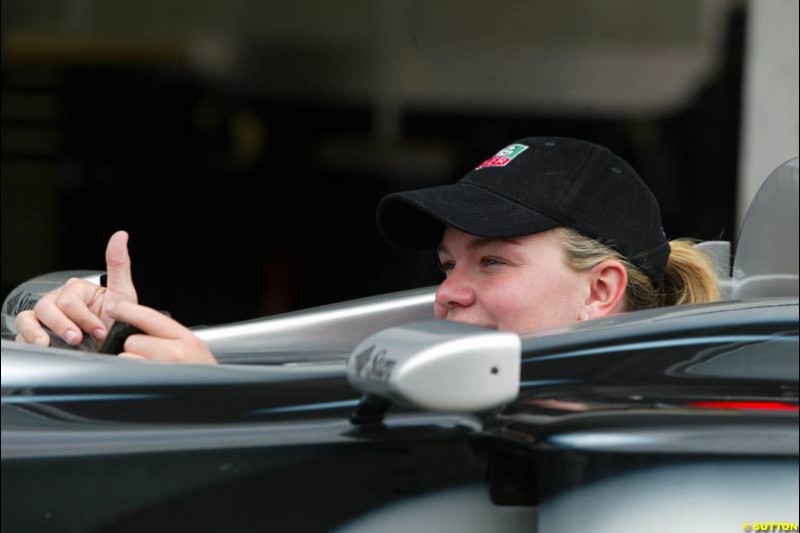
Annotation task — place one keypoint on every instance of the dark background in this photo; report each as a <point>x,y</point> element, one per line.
<point>243,200</point>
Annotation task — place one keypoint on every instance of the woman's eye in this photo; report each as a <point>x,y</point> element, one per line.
<point>491,261</point>
<point>446,266</point>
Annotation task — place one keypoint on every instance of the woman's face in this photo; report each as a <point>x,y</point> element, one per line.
<point>517,284</point>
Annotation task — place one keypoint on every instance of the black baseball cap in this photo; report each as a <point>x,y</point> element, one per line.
<point>533,185</point>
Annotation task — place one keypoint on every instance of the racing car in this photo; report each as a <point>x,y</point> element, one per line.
<point>368,415</point>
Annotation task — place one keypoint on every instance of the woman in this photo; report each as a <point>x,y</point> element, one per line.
<point>546,232</point>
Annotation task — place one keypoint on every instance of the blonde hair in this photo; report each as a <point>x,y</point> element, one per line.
<point>688,278</point>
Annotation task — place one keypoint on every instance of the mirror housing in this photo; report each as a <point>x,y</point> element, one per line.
<point>438,365</point>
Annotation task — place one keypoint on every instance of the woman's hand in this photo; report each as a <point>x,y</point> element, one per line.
<point>80,307</point>
<point>164,339</point>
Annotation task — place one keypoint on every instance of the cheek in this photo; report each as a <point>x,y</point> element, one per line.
<point>543,301</point>
<point>509,303</point>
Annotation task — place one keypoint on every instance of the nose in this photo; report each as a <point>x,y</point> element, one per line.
<point>453,293</point>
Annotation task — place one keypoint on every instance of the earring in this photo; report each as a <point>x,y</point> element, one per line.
<point>585,316</point>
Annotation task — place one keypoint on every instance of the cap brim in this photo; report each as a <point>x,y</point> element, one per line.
<point>417,219</point>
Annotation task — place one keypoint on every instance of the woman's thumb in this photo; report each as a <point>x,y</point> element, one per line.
<point>118,267</point>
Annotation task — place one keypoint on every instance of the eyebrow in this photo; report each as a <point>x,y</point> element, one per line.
<point>480,242</point>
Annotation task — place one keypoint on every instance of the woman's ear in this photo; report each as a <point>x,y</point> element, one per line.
<point>607,283</point>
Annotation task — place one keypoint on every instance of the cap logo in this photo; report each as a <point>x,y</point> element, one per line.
<point>504,156</point>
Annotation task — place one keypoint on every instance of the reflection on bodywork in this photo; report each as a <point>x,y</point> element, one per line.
<point>704,496</point>
<point>464,510</point>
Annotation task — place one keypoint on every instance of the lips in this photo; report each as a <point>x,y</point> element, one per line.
<point>473,322</point>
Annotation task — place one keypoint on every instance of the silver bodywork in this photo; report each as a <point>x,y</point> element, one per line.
<point>330,333</point>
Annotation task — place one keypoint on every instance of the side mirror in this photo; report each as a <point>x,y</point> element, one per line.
<point>438,365</point>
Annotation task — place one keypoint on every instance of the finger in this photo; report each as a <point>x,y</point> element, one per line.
<point>48,314</point>
<point>118,265</point>
<point>154,348</point>
<point>187,349</point>
<point>30,330</point>
<point>131,356</point>
<point>74,301</point>
<point>165,339</point>
<point>148,320</point>
<point>66,312</point>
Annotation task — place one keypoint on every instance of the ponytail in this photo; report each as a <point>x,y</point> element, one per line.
<point>689,276</point>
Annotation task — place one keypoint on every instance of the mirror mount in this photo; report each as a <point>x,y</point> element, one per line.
<point>370,411</point>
